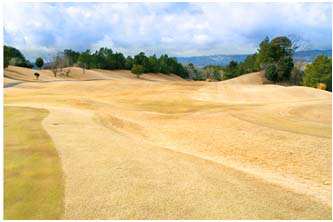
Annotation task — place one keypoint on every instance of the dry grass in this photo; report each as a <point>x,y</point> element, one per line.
<point>33,176</point>
<point>165,148</point>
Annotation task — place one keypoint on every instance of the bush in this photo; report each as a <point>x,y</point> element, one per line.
<point>137,70</point>
<point>271,72</point>
<point>231,70</point>
<point>321,86</point>
<point>216,75</point>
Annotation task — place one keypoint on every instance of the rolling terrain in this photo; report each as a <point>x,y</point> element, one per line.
<point>161,147</point>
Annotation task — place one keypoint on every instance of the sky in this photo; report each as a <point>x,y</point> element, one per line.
<point>178,29</point>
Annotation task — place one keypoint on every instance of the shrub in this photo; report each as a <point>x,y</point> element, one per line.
<point>271,72</point>
<point>216,75</point>
<point>321,86</point>
<point>137,70</point>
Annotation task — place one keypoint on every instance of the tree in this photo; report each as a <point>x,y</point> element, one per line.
<point>39,62</point>
<point>231,70</point>
<point>84,60</point>
<point>194,73</point>
<point>278,52</point>
<point>217,75</point>
<point>250,64</point>
<point>163,62</point>
<point>263,56</point>
<point>105,58</point>
<point>137,70</point>
<point>319,72</point>
<point>129,63</point>
<point>152,65</point>
<point>59,61</point>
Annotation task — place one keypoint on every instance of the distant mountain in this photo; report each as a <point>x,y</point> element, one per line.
<point>310,55</point>
<point>222,60</point>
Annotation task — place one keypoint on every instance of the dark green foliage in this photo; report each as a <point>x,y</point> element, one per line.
<point>85,60</point>
<point>276,53</point>
<point>141,59</point>
<point>250,64</point>
<point>153,65</point>
<point>13,56</point>
<point>137,70</point>
<point>320,71</point>
<point>129,63</point>
<point>271,72</point>
<point>263,56</point>
<point>275,57</point>
<point>216,75</point>
<point>39,62</point>
<point>231,70</point>
<point>284,68</point>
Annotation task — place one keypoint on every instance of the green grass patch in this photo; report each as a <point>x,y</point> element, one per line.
<point>33,186</point>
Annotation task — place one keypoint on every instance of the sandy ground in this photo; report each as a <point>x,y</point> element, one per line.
<point>161,147</point>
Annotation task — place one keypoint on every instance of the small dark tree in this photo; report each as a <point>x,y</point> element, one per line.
<point>36,74</point>
<point>137,70</point>
<point>39,62</point>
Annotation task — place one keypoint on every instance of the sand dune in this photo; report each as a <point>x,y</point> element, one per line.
<point>160,147</point>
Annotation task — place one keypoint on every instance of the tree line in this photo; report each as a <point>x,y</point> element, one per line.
<point>274,57</point>
<point>13,56</point>
<point>105,58</point>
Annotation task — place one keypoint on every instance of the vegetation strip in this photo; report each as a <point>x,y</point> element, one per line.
<point>33,174</point>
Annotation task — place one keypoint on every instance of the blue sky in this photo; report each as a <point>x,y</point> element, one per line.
<point>178,29</point>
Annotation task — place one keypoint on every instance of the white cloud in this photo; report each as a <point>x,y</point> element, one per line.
<point>176,29</point>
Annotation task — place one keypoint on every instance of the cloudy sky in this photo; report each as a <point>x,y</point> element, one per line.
<point>178,29</point>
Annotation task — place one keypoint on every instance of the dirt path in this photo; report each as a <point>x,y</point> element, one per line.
<point>112,176</point>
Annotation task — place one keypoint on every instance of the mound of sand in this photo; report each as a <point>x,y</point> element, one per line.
<point>254,78</point>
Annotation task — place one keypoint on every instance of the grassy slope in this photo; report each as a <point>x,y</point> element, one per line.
<point>33,175</point>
